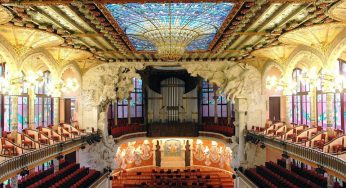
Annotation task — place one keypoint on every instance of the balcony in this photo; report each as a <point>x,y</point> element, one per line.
<point>331,163</point>
<point>14,165</point>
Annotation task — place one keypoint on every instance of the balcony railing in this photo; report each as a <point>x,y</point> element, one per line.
<point>15,164</point>
<point>325,160</point>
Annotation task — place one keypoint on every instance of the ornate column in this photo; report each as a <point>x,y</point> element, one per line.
<point>328,89</point>
<point>288,109</point>
<point>288,163</point>
<point>312,95</point>
<point>14,182</point>
<point>14,113</point>
<point>56,164</point>
<point>32,97</point>
<point>56,114</point>
<point>14,110</point>
<point>241,110</point>
<point>330,181</point>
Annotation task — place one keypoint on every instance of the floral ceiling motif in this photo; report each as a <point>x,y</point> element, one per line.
<point>139,20</point>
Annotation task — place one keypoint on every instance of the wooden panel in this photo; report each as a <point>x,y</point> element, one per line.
<point>274,108</point>
<point>67,110</point>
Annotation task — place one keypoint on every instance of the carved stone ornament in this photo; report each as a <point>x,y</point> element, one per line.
<point>5,15</point>
<point>100,155</point>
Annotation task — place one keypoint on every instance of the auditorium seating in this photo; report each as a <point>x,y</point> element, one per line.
<point>258,179</point>
<point>34,177</point>
<point>311,175</point>
<point>274,174</point>
<point>69,176</point>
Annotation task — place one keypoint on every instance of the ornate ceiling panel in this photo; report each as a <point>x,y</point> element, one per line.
<point>277,53</point>
<point>338,11</point>
<point>316,36</point>
<point>64,55</point>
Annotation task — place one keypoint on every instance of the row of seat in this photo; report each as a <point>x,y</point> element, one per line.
<point>276,179</point>
<point>176,178</point>
<point>291,176</point>
<point>34,177</point>
<point>311,175</point>
<point>258,179</point>
<point>87,180</point>
<point>52,179</point>
<point>69,180</point>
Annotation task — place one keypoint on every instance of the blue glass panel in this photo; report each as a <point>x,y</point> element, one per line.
<point>136,19</point>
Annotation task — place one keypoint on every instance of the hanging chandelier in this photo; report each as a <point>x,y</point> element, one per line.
<point>171,41</point>
<point>32,80</point>
<point>328,81</point>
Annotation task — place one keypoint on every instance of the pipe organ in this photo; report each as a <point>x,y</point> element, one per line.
<point>173,104</point>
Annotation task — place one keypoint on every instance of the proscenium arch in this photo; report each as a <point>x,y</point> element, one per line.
<point>46,58</point>
<point>336,48</point>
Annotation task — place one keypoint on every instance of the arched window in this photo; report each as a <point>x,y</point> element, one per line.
<point>300,101</point>
<point>121,107</point>
<point>209,104</point>
<point>43,103</point>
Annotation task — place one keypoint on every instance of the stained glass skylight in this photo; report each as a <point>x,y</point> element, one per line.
<point>150,25</point>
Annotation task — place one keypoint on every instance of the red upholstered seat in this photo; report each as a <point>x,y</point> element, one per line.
<point>7,148</point>
<point>338,148</point>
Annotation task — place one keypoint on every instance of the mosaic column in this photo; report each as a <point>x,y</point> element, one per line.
<point>56,114</point>
<point>14,182</point>
<point>328,88</point>
<point>288,109</point>
<point>312,95</point>
<point>288,164</point>
<point>330,110</point>
<point>14,113</point>
<point>56,164</point>
<point>32,97</point>
<point>241,110</point>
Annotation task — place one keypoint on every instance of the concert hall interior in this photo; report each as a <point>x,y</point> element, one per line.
<point>173,93</point>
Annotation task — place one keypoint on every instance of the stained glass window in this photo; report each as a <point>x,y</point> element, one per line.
<point>43,103</point>
<point>322,110</point>
<point>300,102</point>
<point>208,102</point>
<point>136,102</point>
<point>23,112</point>
<point>7,113</point>
<point>137,20</point>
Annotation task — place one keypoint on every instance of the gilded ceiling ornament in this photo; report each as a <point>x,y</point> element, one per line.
<point>5,15</point>
<point>338,11</point>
